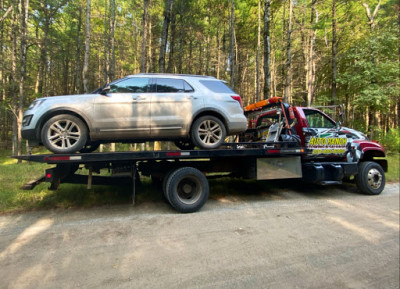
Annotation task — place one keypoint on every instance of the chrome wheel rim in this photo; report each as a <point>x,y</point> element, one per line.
<point>374,178</point>
<point>210,132</point>
<point>63,134</point>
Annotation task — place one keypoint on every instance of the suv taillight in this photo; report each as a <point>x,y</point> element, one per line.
<point>238,98</point>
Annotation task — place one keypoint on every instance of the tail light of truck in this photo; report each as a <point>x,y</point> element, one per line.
<point>238,99</point>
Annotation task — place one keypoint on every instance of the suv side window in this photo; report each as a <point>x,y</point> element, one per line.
<point>130,85</point>
<point>317,120</point>
<point>216,86</point>
<point>171,85</point>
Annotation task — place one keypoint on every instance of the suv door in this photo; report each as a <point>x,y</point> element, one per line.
<point>172,107</point>
<point>125,111</point>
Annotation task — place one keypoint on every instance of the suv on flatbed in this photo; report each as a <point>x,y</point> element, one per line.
<point>188,109</point>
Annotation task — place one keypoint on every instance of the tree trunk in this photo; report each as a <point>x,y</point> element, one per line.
<point>334,54</point>
<point>181,51</point>
<point>112,42</point>
<point>24,30</point>
<point>171,60</point>
<point>78,53</point>
<point>311,56</point>
<point>267,50</point>
<point>14,30</point>
<point>232,45</point>
<point>218,50</point>
<point>288,84</point>
<point>43,58</point>
<point>106,48</point>
<point>2,78</point>
<point>208,46</point>
<point>164,34</point>
<point>143,62</point>
<point>258,52</point>
<point>372,123</point>
<point>85,70</point>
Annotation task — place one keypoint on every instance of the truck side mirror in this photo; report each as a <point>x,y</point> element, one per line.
<point>338,125</point>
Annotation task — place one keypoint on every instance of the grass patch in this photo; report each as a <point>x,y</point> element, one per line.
<point>13,199</point>
<point>13,175</point>
<point>393,174</point>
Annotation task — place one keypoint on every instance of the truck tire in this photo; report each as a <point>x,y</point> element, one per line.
<point>370,179</point>
<point>164,183</point>
<point>187,189</point>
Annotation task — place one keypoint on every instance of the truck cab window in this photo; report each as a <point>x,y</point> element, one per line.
<point>317,120</point>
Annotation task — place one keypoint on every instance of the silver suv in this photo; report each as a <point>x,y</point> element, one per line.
<point>190,110</point>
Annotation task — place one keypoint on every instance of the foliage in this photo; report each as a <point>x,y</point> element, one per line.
<point>391,141</point>
<point>199,43</point>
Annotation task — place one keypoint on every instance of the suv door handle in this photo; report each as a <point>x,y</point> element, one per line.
<point>191,97</point>
<point>138,97</point>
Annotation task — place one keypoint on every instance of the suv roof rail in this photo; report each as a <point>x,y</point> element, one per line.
<point>173,74</point>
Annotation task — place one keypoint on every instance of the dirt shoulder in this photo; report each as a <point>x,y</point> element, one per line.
<point>285,238</point>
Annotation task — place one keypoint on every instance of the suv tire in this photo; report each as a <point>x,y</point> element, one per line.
<point>64,134</point>
<point>208,132</point>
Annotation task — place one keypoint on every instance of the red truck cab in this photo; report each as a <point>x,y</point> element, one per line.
<point>321,136</point>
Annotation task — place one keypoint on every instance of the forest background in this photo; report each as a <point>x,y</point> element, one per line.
<point>311,52</point>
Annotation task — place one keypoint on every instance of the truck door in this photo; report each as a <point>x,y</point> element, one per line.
<point>321,135</point>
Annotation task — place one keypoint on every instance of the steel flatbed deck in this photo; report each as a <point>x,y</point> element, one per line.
<point>183,173</point>
<point>231,150</point>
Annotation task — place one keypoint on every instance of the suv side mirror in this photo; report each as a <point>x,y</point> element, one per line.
<point>105,90</point>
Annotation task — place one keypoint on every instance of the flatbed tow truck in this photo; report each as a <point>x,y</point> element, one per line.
<point>280,143</point>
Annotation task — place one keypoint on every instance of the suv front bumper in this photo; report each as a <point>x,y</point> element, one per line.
<point>30,136</point>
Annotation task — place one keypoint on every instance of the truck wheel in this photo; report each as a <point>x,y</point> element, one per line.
<point>371,178</point>
<point>187,189</point>
<point>208,132</point>
<point>64,134</point>
<point>164,183</point>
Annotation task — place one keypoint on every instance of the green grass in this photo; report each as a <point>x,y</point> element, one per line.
<point>14,175</point>
<point>393,174</point>
<point>13,199</point>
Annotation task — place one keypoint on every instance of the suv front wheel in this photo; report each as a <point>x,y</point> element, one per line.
<point>64,134</point>
<point>208,132</point>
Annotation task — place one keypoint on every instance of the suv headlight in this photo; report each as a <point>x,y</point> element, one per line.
<point>36,103</point>
<point>27,120</point>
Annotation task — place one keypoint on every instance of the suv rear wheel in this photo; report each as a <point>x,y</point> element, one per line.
<point>208,132</point>
<point>64,134</point>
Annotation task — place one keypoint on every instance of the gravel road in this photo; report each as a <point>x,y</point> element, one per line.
<point>292,237</point>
